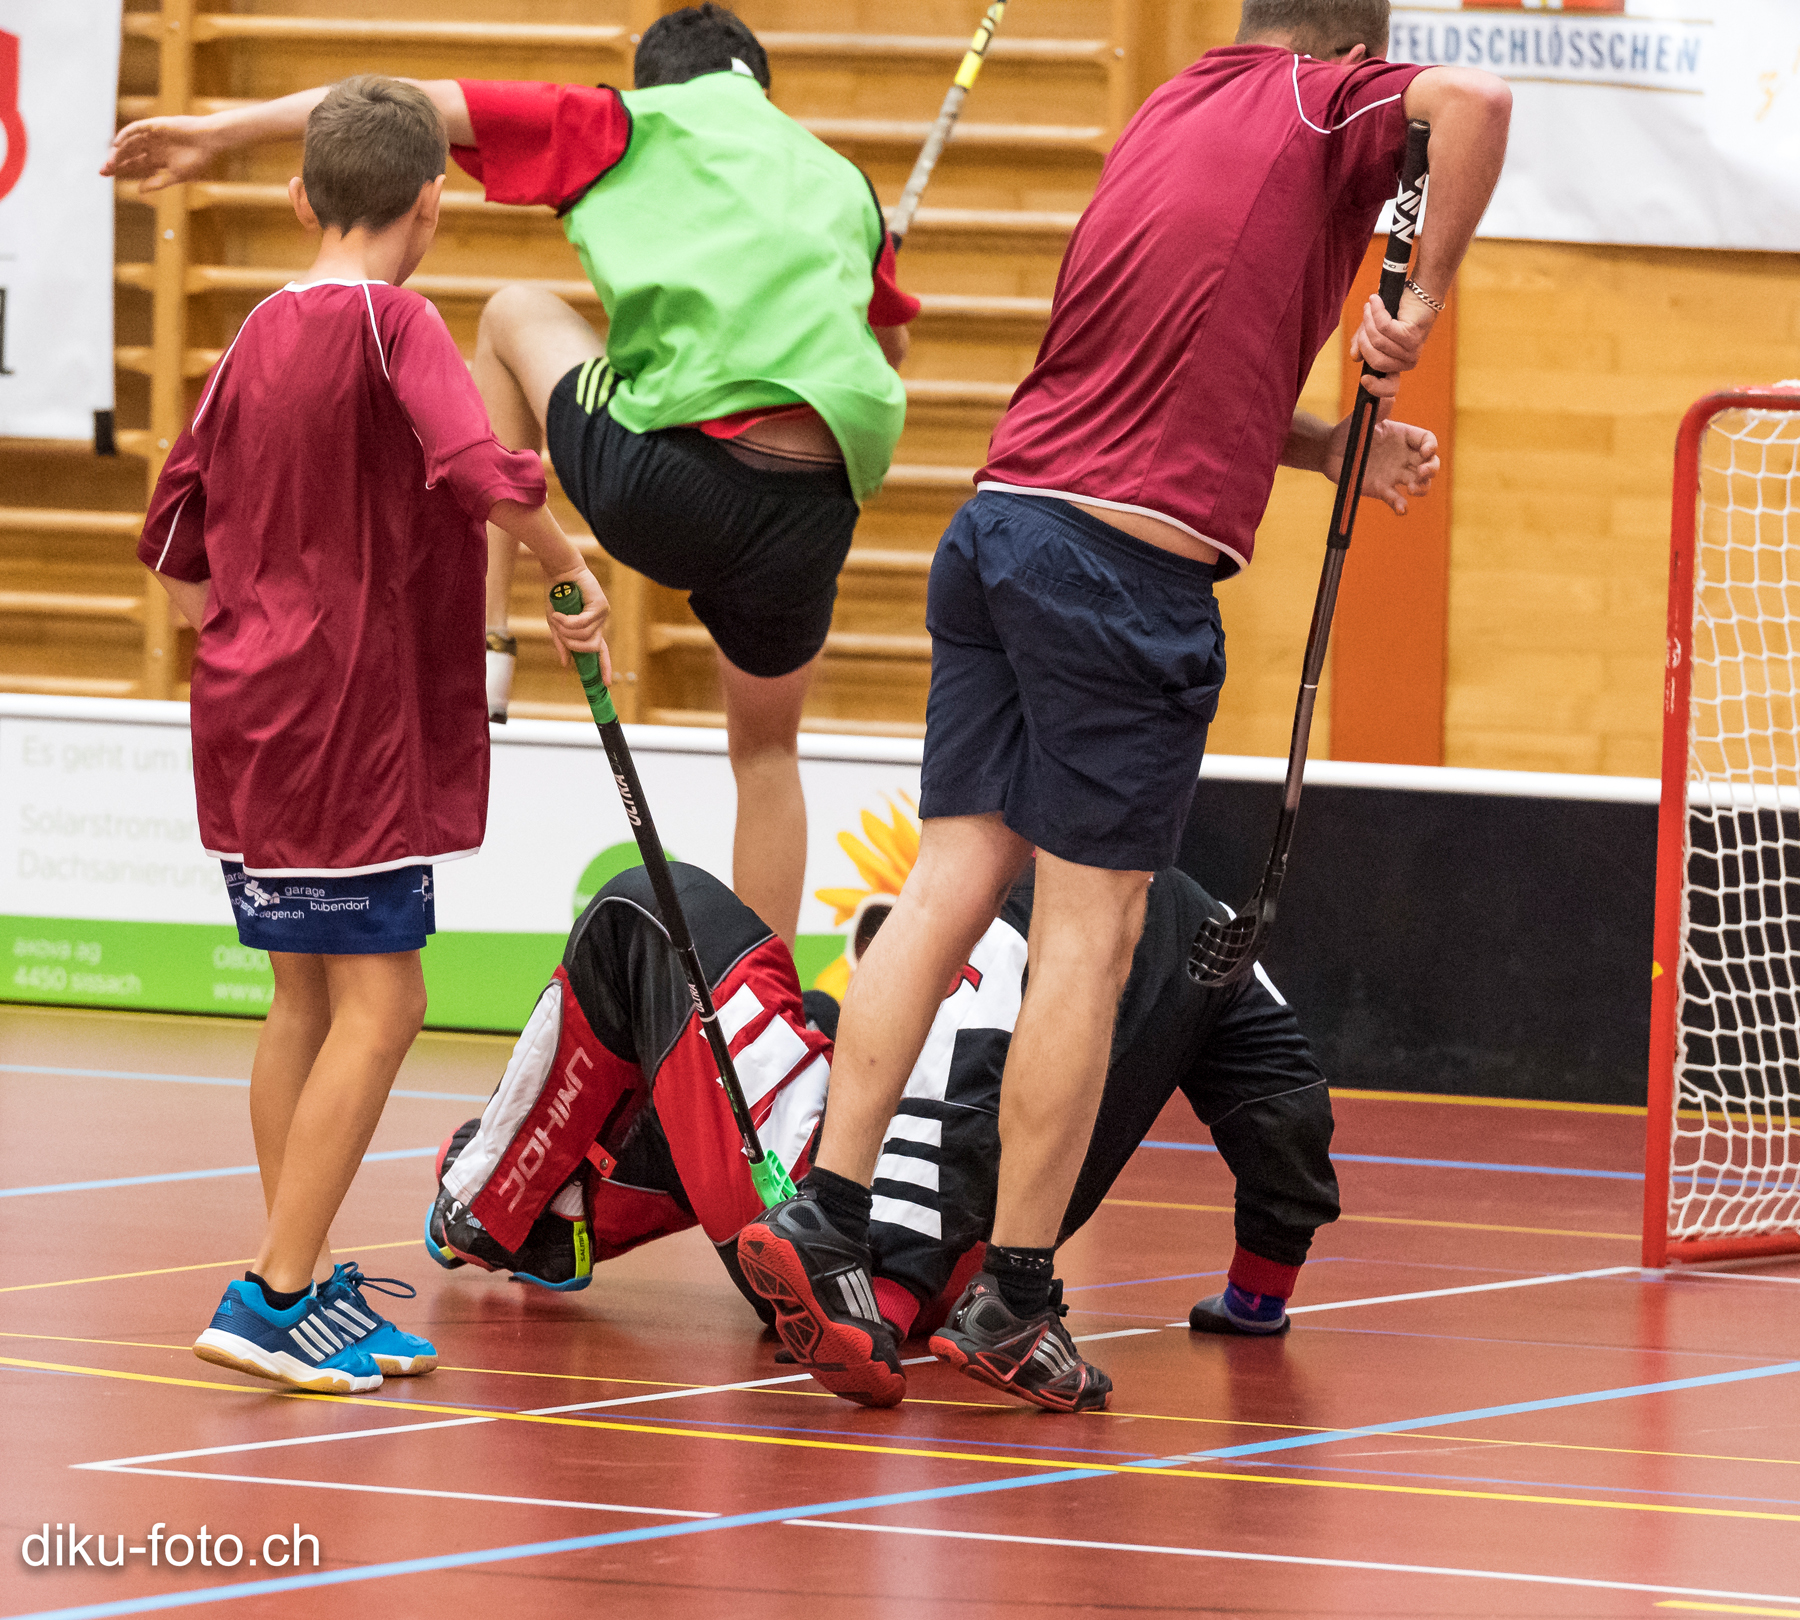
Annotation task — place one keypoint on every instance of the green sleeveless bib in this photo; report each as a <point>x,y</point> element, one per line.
<point>734,253</point>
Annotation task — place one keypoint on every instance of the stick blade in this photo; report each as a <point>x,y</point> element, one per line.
<point>1225,949</point>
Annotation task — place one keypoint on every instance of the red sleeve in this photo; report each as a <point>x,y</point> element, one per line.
<point>1368,109</point>
<point>888,305</point>
<point>440,399</point>
<point>174,537</point>
<point>541,143</point>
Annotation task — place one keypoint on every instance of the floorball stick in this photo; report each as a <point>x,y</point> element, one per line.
<point>1225,949</point>
<point>929,153</point>
<point>766,1169</point>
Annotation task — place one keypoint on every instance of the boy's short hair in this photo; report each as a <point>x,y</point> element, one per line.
<point>370,145</point>
<point>697,39</point>
<point>1321,28</point>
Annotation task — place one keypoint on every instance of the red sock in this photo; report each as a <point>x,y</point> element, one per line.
<point>897,1305</point>
<point>1252,1274</point>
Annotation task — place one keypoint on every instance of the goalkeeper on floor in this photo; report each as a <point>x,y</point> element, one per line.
<point>609,1127</point>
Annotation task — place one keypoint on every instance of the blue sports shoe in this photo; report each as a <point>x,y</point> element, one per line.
<point>395,1351</point>
<point>301,1346</point>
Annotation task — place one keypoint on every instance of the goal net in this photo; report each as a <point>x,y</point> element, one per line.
<point>1723,1151</point>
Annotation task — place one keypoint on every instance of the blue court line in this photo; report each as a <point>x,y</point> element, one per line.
<point>207,1080</point>
<point>192,1175</point>
<point>663,1532</point>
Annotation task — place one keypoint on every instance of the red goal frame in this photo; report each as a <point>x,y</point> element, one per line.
<point>1672,847</point>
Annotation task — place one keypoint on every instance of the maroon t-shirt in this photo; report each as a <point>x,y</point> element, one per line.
<point>1199,287</point>
<point>334,487</point>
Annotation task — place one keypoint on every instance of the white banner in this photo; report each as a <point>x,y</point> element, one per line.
<point>59,84</point>
<point>1661,123</point>
<point>97,816</point>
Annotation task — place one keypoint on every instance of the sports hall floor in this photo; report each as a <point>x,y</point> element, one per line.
<point>1483,1409</point>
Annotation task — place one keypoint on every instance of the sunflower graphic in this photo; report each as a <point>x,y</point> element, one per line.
<point>883,864</point>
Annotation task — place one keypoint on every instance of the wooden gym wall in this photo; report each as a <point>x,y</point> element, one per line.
<point>1572,367</point>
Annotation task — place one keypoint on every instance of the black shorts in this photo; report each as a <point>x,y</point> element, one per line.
<point>757,552</point>
<point>1074,673</point>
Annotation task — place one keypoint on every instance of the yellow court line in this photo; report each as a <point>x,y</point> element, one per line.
<point>65,1338</point>
<point>208,1265</point>
<point>987,1459</point>
<point>1730,1608</point>
<point>1487,1102</point>
<point>1394,1220</point>
<point>997,1406</point>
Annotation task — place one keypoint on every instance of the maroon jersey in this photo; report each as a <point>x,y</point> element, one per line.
<point>334,488</point>
<point>1199,287</point>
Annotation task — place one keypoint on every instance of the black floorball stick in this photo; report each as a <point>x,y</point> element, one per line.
<point>766,1170</point>
<point>1225,949</point>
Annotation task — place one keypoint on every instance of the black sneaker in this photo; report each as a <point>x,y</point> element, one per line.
<point>824,1297</point>
<point>557,1252</point>
<point>1032,1358</point>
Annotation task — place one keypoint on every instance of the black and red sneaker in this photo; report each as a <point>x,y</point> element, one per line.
<point>820,1284</point>
<point>1032,1358</point>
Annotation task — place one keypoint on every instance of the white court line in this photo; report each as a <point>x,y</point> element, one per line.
<point>407,1490</point>
<point>121,1463</point>
<point>1295,1558</point>
<point>1445,1293</point>
<point>1121,1333</point>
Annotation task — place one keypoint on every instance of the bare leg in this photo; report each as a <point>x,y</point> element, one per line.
<point>298,1022</point>
<point>377,1006</point>
<point>527,342</point>
<point>966,865</point>
<point>768,848</point>
<point>1085,924</point>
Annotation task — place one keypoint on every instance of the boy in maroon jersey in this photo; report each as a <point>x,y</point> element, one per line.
<point>321,523</point>
<point>1077,654</point>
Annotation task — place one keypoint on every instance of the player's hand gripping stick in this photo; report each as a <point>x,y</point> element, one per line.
<point>766,1170</point>
<point>966,74</point>
<point>1225,949</point>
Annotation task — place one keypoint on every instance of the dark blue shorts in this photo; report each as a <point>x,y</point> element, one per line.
<point>371,915</point>
<point>1074,673</point>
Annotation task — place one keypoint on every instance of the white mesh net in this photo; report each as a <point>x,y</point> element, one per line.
<point>1736,1159</point>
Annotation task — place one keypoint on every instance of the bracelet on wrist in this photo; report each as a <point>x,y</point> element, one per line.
<point>1424,297</point>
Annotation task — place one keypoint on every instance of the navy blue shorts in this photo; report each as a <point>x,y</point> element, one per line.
<point>371,915</point>
<point>1074,673</point>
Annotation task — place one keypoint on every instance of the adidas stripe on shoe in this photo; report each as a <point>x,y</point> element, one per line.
<point>1031,1358</point>
<point>824,1297</point>
<point>395,1351</point>
<point>301,1347</point>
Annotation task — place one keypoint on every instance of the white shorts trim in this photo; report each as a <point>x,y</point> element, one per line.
<point>341,871</point>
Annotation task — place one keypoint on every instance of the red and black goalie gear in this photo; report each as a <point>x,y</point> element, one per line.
<point>575,1101</point>
<point>562,1093</point>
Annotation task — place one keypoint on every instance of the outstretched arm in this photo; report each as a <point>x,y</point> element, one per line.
<point>1403,459</point>
<point>1469,112</point>
<point>159,152</point>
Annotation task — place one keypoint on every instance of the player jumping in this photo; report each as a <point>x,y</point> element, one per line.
<point>744,401</point>
<point>609,1127</point>
<point>1077,655</point>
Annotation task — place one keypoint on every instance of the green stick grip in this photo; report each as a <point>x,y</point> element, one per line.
<point>566,598</point>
